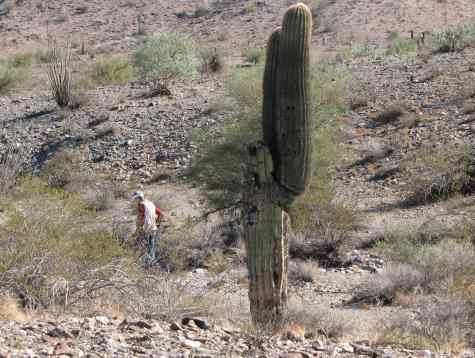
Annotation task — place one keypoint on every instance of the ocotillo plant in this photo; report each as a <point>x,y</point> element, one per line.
<point>280,165</point>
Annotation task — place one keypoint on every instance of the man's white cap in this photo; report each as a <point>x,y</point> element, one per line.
<point>138,195</point>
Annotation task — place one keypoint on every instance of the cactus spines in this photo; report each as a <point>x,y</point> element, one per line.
<point>293,101</point>
<point>269,95</point>
<point>280,165</point>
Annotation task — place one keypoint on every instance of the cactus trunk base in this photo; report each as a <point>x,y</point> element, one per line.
<point>267,246</point>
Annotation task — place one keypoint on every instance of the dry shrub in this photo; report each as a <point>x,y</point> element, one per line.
<point>390,114</point>
<point>303,271</point>
<point>161,295</point>
<point>12,159</point>
<point>320,230</point>
<point>62,169</point>
<point>318,320</point>
<point>386,287</point>
<point>211,60</point>
<point>10,309</point>
<point>323,246</point>
<point>435,260</point>
<point>102,200</point>
<point>441,325</point>
<point>50,256</point>
<point>435,173</point>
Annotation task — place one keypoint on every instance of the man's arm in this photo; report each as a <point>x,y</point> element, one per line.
<point>158,212</point>
<point>141,216</point>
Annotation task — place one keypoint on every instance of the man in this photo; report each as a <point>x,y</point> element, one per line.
<point>147,217</point>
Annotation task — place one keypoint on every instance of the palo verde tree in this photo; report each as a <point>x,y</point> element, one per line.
<point>280,164</point>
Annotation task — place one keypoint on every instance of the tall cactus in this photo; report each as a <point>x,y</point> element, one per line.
<point>281,164</point>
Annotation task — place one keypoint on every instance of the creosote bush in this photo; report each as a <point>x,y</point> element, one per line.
<point>165,58</point>
<point>111,71</point>
<point>221,164</point>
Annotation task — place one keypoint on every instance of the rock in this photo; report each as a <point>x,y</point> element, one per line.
<point>296,355</point>
<point>141,324</point>
<point>190,344</point>
<point>58,333</point>
<point>346,348</point>
<point>365,350</point>
<point>174,326</point>
<point>102,320</point>
<point>63,349</point>
<point>88,324</point>
<point>200,323</point>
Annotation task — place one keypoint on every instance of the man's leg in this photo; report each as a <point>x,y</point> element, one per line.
<point>152,246</point>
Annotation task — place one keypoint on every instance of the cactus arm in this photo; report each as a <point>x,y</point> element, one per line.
<point>269,94</point>
<point>293,108</point>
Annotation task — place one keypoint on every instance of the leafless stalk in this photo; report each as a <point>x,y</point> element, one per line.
<point>59,74</point>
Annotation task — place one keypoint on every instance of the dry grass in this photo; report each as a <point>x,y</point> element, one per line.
<point>318,320</point>
<point>10,309</point>
<point>303,272</point>
<point>435,173</point>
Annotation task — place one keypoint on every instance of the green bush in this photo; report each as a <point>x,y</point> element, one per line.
<point>222,162</point>
<point>112,71</point>
<point>211,60</point>
<point>41,55</point>
<point>10,77</point>
<point>22,60</point>
<point>253,55</point>
<point>165,58</point>
<point>399,46</point>
<point>201,11</point>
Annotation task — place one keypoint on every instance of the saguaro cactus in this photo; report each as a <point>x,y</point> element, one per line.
<point>281,164</point>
